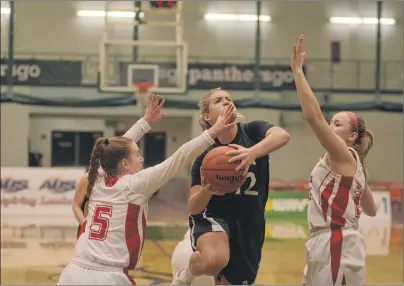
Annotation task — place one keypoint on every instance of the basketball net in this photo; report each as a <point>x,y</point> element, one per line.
<point>142,90</point>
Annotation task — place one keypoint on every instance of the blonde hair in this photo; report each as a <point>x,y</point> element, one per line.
<point>363,143</point>
<point>204,108</point>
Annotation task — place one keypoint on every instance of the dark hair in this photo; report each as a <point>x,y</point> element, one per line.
<point>107,153</point>
<point>363,142</point>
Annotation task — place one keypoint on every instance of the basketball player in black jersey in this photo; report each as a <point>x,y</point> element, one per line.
<point>227,231</point>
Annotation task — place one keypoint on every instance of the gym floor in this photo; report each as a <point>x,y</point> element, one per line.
<point>33,256</point>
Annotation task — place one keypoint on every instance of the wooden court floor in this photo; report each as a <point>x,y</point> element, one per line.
<point>39,261</point>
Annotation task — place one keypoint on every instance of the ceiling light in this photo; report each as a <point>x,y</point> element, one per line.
<point>237,17</point>
<point>357,20</point>
<point>112,14</point>
<point>5,11</point>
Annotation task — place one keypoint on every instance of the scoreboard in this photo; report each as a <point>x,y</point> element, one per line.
<point>163,4</point>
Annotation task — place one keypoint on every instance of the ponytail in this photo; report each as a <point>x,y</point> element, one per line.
<point>363,149</point>
<point>94,165</point>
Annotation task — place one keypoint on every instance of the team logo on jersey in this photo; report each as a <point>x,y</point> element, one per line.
<point>10,185</point>
<point>56,185</point>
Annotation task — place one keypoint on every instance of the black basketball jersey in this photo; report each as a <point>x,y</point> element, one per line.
<point>249,200</point>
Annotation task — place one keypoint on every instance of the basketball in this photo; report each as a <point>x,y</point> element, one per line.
<point>219,173</point>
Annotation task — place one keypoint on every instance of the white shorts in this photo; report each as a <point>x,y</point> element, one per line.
<point>335,257</point>
<point>180,259</point>
<point>74,274</point>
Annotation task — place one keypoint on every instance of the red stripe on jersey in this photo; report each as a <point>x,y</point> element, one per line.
<point>340,202</point>
<point>325,196</point>
<point>131,280</point>
<point>335,251</point>
<point>144,231</point>
<point>82,228</point>
<point>132,234</point>
<point>110,181</point>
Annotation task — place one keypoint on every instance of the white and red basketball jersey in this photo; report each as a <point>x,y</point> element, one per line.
<point>334,199</point>
<point>113,233</point>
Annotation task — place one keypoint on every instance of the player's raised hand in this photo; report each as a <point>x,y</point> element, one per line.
<point>154,105</point>
<point>298,54</point>
<point>242,154</point>
<point>224,122</point>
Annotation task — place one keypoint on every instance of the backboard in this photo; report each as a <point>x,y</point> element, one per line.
<point>163,63</point>
<point>142,73</point>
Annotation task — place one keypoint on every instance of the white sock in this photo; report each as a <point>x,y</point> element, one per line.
<point>189,272</point>
<point>186,275</point>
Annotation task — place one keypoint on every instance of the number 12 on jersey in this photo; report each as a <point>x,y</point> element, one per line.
<point>100,222</point>
<point>248,191</point>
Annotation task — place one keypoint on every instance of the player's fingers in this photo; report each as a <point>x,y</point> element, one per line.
<point>163,101</point>
<point>229,109</point>
<point>229,113</point>
<point>237,158</point>
<point>156,99</point>
<point>232,153</point>
<point>224,112</point>
<point>151,100</point>
<point>241,166</point>
<point>301,40</point>
<point>230,125</point>
<point>235,146</point>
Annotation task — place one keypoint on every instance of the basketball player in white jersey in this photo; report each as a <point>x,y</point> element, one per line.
<point>152,115</point>
<point>335,252</point>
<point>180,259</point>
<point>111,238</point>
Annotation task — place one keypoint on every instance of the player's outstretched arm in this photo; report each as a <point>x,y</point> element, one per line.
<point>267,139</point>
<point>334,145</point>
<point>274,139</point>
<point>149,180</point>
<point>368,204</point>
<point>153,114</point>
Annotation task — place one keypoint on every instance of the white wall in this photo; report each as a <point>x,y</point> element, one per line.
<point>35,33</point>
<point>14,134</point>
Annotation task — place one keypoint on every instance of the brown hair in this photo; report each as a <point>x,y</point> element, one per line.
<point>204,108</point>
<point>363,143</point>
<point>107,153</point>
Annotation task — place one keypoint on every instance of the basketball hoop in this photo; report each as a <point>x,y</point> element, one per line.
<point>142,90</point>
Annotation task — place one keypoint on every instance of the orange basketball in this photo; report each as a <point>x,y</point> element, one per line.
<point>219,173</point>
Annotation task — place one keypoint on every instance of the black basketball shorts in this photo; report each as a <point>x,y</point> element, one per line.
<point>246,239</point>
